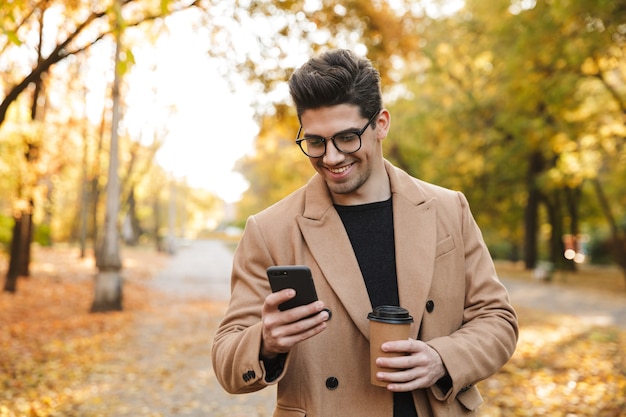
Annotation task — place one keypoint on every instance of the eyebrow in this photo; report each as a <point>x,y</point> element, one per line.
<point>350,129</point>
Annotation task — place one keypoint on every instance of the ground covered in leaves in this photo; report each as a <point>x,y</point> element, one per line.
<point>49,342</point>
<point>561,368</point>
<point>153,359</point>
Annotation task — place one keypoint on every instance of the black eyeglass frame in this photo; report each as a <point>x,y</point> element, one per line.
<point>324,140</point>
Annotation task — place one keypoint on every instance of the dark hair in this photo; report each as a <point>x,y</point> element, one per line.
<point>336,77</point>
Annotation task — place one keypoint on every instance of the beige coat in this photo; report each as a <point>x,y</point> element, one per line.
<point>446,280</point>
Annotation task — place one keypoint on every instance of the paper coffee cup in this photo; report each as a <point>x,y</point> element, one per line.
<point>387,323</point>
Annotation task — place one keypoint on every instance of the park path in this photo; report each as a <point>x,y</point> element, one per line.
<point>198,276</point>
<point>165,369</point>
<point>203,270</point>
<point>169,371</point>
<point>593,307</point>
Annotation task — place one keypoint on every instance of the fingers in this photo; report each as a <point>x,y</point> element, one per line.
<point>281,339</point>
<point>273,300</point>
<point>405,346</point>
<point>419,366</point>
<point>404,381</point>
<point>284,329</point>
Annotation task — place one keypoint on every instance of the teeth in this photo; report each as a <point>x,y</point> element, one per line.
<point>338,170</point>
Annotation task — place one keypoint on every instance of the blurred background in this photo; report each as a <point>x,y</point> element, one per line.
<point>518,103</point>
<point>145,123</point>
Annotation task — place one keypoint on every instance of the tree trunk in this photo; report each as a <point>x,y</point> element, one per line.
<point>158,239</point>
<point>131,223</point>
<point>555,217</point>
<point>108,285</point>
<point>94,197</point>
<point>531,212</point>
<point>618,236</point>
<point>10,285</point>
<point>82,232</point>
<point>22,236</point>
<point>94,184</point>
<point>84,185</point>
<point>171,220</point>
<point>572,199</point>
<point>26,238</point>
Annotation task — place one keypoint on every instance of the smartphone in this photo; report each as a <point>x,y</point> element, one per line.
<point>297,277</point>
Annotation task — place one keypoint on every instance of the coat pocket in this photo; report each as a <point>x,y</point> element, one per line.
<point>282,411</point>
<point>445,246</point>
<point>470,399</point>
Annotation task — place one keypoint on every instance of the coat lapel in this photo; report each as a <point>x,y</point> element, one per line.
<point>329,244</point>
<point>415,234</point>
<point>415,230</point>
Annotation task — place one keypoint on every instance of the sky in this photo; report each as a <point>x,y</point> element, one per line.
<point>176,87</point>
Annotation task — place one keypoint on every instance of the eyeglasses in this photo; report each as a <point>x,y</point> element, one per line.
<point>346,142</point>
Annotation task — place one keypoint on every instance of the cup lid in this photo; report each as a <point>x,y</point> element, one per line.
<point>390,314</point>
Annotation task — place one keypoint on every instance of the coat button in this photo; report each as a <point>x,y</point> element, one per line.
<point>332,383</point>
<point>249,376</point>
<point>430,306</point>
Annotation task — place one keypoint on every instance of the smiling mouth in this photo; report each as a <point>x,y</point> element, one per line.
<point>339,170</point>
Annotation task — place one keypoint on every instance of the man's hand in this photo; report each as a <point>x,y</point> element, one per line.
<point>421,367</point>
<point>282,330</point>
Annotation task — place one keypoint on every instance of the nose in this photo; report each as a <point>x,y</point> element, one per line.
<point>332,155</point>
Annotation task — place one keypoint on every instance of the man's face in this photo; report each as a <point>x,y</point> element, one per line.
<point>354,178</point>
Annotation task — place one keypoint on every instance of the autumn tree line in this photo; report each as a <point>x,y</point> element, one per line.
<point>67,176</point>
<point>519,104</point>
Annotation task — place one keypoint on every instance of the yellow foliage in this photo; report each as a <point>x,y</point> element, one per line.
<point>562,367</point>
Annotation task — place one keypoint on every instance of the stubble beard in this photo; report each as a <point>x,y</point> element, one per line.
<point>351,185</point>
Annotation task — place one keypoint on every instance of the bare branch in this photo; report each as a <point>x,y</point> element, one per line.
<point>61,51</point>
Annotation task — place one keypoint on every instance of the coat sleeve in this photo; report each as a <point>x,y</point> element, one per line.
<point>237,343</point>
<point>488,334</point>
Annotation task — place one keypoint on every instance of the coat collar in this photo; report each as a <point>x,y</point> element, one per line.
<point>415,239</point>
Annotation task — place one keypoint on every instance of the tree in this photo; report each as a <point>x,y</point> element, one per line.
<point>23,217</point>
<point>108,286</point>
<point>525,131</point>
<point>508,122</point>
<point>572,117</point>
<point>82,28</point>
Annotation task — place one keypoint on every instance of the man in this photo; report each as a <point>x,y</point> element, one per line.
<point>372,235</point>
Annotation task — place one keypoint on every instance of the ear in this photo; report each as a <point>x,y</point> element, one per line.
<point>382,124</point>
